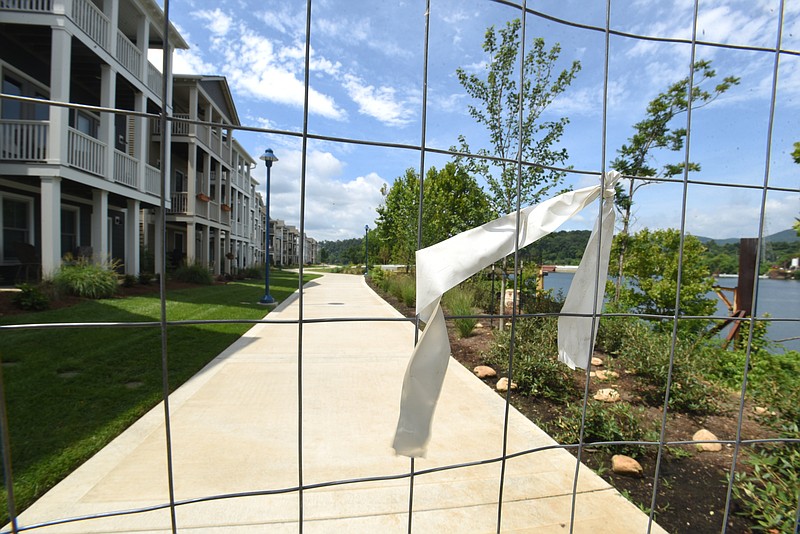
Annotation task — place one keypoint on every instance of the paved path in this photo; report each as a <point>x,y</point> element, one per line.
<point>235,429</point>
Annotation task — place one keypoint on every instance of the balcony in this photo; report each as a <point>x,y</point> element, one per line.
<point>85,152</point>
<point>126,169</point>
<point>23,140</point>
<point>180,202</point>
<point>97,26</point>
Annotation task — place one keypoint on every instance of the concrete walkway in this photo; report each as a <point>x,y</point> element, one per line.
<point>235,429</point>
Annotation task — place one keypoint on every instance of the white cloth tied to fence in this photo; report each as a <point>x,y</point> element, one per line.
<point>450,262</point>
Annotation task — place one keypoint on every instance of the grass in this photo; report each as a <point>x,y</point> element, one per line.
<point>70,391</point>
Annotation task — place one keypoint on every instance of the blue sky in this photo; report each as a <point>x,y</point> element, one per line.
<point>366,83</point>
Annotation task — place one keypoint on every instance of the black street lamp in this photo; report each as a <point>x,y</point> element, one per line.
<point>366,249</point>
<point>268,157</point>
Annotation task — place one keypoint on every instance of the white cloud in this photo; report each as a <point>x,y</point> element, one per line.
<point>378,102</point>
<point>335,208</point>
<point>183,62</point>
<point>218,22</point>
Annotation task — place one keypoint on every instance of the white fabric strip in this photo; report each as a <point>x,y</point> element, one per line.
<point>446,264</point>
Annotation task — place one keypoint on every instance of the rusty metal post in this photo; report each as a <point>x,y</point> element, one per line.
<point>743,297</point>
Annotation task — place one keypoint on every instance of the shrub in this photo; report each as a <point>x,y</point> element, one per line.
<point>459,301</point>
<point>403,287</point>
<point>536,368</point>
<point>648,353</point>
<point>145,278</point>
<point>30,298</point>
<point>129,280</point>
<point>254,272</point>
<point>86,279</point>
<point>604,422</point>
<point>769,495</point>
<point>193,274</point>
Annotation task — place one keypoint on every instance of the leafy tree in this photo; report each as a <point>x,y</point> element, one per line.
<point>650,275</point>
<point>796,153</point>
<point>453,202</point>
<point>498,107</point>
<point>499,102</point>
<point>656,132</point>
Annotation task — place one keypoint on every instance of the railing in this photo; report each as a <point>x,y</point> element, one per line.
<point>42,6</point>
<point>152,180</point>
<point>201,208</point>
<point>213,211</point>
<point>85,152</point>
<point>129,55</point>
<point>126,169</point>
<point>178,128</point>
<point>23,140</point>
<point>154,79</point>
<point>180,202</point>
<point>91,20</point>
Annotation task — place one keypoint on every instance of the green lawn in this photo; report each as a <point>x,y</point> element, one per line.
<point>69,391</point>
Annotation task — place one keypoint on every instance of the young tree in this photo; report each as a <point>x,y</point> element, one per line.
<point>656,132</point>
<point>396,226</point>
<point>498,106</point>
<point>533,139</point>
<point>650,283</point>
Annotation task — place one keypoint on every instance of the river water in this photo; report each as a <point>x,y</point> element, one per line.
<point>778,298</point>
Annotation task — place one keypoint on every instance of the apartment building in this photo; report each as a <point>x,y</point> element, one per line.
<point>213,216</point>
<point>88,182</point>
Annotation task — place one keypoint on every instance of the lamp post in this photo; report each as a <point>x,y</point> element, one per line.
<point>366,249</point>
<point>268,157</point>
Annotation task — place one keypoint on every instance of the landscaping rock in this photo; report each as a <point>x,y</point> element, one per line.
<point>607,395</point>
<point>484,371</point>
<point>625,465</point>
<point>760,410</point>
<point>606,375</point>
<point>597,362</point>
<point>705,435</point>
<point>502,384</point>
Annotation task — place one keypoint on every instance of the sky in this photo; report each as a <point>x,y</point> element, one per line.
<point>366,83</point>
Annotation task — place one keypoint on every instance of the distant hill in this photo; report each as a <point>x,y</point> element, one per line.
<point>786,236</point>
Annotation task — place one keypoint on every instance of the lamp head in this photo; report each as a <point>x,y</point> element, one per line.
<point>268,157</point>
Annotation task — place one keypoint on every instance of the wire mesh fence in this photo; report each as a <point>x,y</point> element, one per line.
<point>659,445</point>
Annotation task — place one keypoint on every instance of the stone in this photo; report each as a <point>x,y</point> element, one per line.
<point>478,325</point>
<point>760,410</point>
<point>484,371</point>
<point>705,435</point>
<point>625,465</point>
<point>607,395</point>
<point>597,362</point>
<point>602,374</point>
<point>502,384</point>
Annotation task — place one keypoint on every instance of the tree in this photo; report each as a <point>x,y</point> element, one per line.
<point>796,153</point>
<point>656,132</point>
<point>650,275</point>
<point>498,107</point>
<point>453,202</point>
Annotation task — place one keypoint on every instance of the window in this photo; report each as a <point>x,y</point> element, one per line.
<point>84,122</point>
<point>13,110</point>
<point>17,224</point>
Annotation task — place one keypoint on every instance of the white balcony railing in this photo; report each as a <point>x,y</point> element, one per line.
<point>42,6</point>
<point>180,202</point>
<point>154,79</point>
<point>178,128</point>
<point>126,169</point>
<point>152,180</point>
<point>91,20</point>
<point>128,55</point>
<point>213,211</point>
<point>23,140</point>
<point>201,208</point>
<point>85,152</point>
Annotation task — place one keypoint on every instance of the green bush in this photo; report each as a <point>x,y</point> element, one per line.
<point>30,298</point>
<point>459,301</point>
<point>604,422</point>
<point>86,279</point>
<point>648,353</point>
<point>193,274</point>
<point>537,371</point>
<point>145,278</point>
<point>129,280</point>
<point>770,492</point>
<point>403,287</point>
<point>254,273</point>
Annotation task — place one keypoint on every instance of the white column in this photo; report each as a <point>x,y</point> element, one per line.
<point>100,224</point>
<point>51,224</point>
<point>191,243</point>
<point>142,40</point>
<point>205,247</point>
<point>60,62</point>
<point>132,237</point>
<point>111,10</point>
<point>141,140</point>
<point>158,245</point>
<point>108,131</point>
